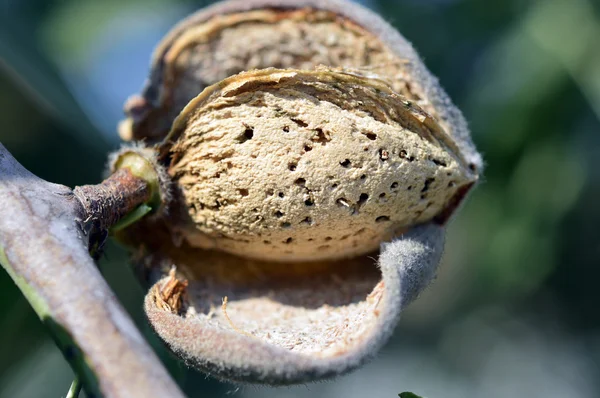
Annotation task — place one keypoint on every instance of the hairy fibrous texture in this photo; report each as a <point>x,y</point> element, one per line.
<point>256,321</point>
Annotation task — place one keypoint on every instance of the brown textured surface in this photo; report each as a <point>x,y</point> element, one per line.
<point>171,293</point>
<point>114,198</point>
<point>228,44</point>
<point>303,165</point>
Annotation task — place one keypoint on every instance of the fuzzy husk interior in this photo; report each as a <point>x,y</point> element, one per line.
<point>254,321</point>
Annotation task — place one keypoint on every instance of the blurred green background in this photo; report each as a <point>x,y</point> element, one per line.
<point>515,310</point>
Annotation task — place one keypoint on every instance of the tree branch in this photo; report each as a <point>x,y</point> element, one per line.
<point>44,248</point>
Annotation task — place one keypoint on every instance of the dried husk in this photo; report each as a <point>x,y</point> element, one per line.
<point>259,322</point>
<point>274,317</point>
<point>239,35</point>
<point>199,53</point>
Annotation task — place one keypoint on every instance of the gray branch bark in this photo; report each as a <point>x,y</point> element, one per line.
<point>45,250</point>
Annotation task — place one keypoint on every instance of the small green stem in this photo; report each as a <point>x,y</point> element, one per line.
<point>75,388</point>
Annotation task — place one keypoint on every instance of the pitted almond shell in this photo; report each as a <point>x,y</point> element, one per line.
<point>293,165</point>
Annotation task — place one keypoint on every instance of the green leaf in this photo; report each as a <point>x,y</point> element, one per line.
<point>408,395</point>
<point>132,217</point>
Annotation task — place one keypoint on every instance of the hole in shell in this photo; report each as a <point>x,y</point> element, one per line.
<point>382,219</point>
<point>363,199</point>
<point>299,122</point>
<point>370,135</point>
<point>321,137</point>
<point>383,155</point>
<point>404,155</point>
<point>427,184</point>
<point>248,134</point>
<point>345,163</point>
<point>306,220</point>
